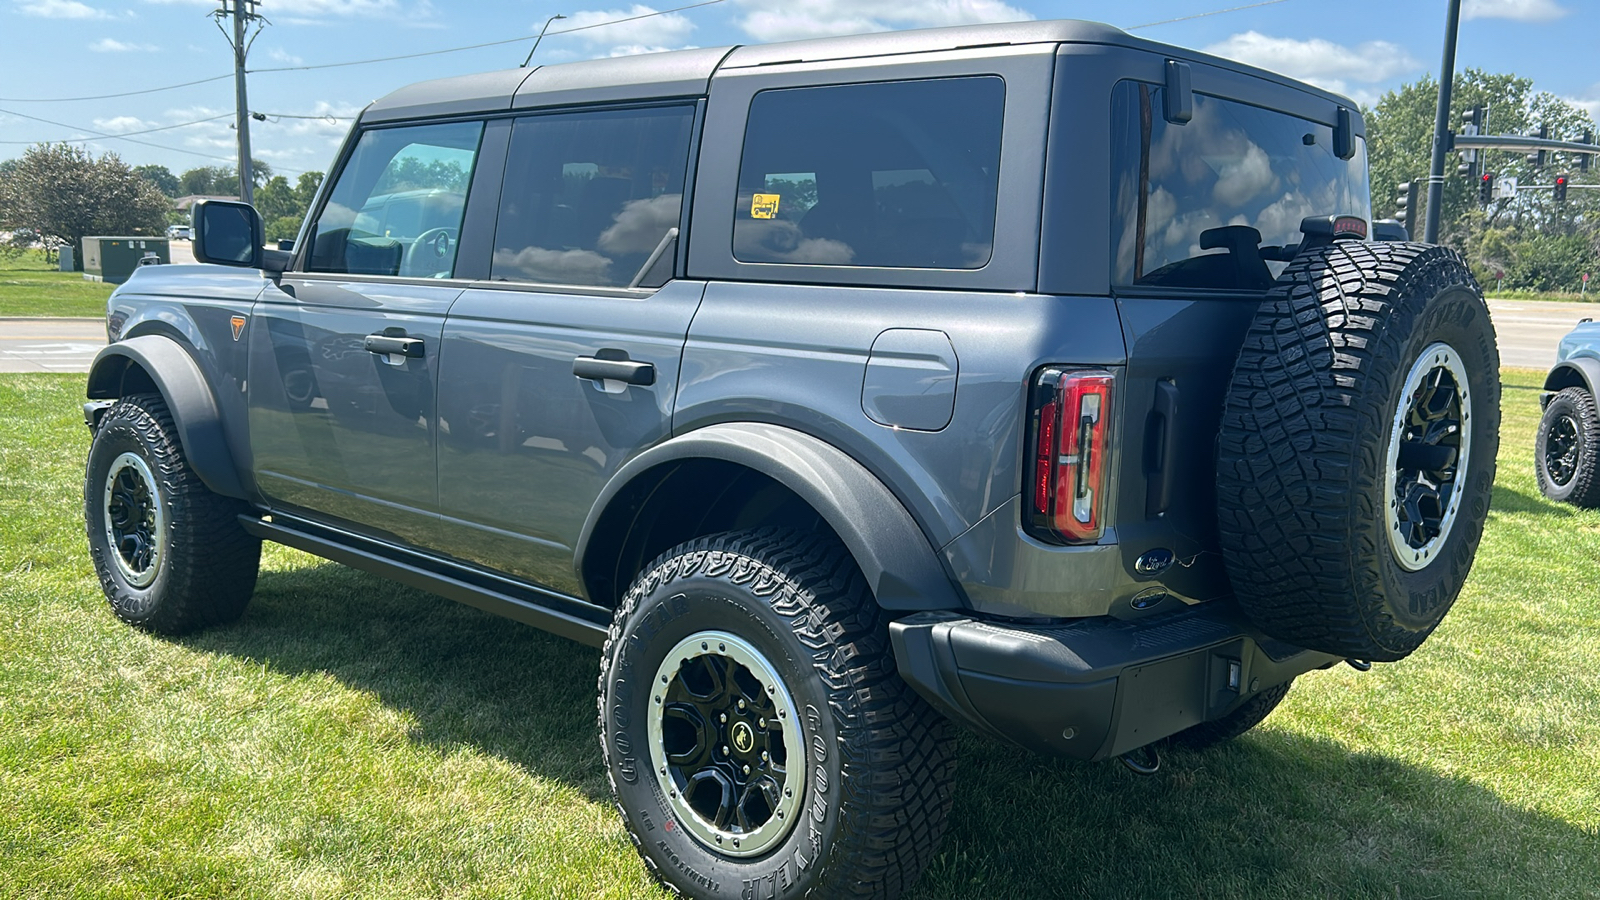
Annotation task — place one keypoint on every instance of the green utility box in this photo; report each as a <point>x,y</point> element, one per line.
<point>113,259</point>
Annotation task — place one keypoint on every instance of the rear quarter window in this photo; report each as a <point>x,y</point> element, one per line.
<point>1217,202</point>
<point>890,174</point>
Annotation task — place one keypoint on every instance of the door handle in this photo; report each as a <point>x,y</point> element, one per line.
<point>1161,449</point>
<point>626,371</point>
<point>388,345</point>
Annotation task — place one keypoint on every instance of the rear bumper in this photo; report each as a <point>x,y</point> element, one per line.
<point>1092,688</point>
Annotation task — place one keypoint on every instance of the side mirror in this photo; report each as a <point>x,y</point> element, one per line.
<point>227,233</point>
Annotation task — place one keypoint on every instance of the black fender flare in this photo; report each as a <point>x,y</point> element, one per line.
<point>183,385</point>
<point>1579,371</point>
<point>894,554</point>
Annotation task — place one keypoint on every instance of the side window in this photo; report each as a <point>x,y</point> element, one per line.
<point>897,174</point>
<point>1217,202</point>
<point>396,207</point>
<point>593,197</point>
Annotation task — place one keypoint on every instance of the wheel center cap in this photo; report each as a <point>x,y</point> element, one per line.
<point>743,737</point>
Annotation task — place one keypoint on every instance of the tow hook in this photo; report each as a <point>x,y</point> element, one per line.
<point>1150,765</point>
<point>1360,665</point>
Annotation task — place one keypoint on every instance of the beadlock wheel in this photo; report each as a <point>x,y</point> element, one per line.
<point>1430,445</point>
<point>723,730</point>
<point>135,524</point>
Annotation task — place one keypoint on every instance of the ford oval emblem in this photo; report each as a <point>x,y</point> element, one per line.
<point>1153,562</point>
<point>1148,598</point>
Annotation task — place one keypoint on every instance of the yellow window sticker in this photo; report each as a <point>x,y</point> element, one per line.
<point>764,206</point>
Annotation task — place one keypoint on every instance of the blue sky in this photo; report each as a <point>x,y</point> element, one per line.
<point>58,49</point>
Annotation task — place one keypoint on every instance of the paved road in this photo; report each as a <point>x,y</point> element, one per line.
<point>1528,332</point>
<point>50,345</point>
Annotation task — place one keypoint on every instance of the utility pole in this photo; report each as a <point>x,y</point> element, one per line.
<point>1441,125</point>
<point>242,13</point>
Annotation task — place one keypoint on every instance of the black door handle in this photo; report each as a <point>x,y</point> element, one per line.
<point>624,370</point>
<point>388,344</point>
<point>1161,449</point>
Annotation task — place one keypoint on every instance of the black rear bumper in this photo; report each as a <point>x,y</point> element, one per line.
<point>1092,688</point>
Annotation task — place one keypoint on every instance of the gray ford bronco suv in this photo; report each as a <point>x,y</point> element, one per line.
<point>1034,377</point>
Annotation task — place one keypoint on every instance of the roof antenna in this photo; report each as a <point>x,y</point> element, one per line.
<point>540,38</point>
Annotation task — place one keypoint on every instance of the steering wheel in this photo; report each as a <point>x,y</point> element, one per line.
<point>430,254</point>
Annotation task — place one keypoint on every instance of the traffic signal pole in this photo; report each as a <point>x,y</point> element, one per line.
<point>1441,125</point>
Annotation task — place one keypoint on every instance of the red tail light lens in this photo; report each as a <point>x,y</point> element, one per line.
<point>1070,441</point>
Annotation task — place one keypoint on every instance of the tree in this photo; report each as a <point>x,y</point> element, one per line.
<point>305,189</point>
<point>1527,236</point>
<point>199,180</point>
<point>161,177</point>
<point>63,193</point>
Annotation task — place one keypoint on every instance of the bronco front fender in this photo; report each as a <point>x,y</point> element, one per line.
<point>893,553</point>
<point>179,380</point>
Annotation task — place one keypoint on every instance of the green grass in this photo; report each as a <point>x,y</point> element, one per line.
<point>352,738</point>
<point>30,287</point>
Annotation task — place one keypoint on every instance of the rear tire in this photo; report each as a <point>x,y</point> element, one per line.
<point>756,733</point>
<point>1357,450</point>
<point>170,554</point>
<point>1566,449</point>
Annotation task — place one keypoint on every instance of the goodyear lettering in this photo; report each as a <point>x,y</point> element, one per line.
<point>686,869</point>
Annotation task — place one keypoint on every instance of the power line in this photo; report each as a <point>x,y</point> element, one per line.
<point>120,134</point>
<point>363,62</point>
<point>324,118</point>
<point>170,87</point>
<point>1215,12</point>
<point>130,140</point>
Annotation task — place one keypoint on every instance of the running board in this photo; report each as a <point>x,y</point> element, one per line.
<point>484,591</point>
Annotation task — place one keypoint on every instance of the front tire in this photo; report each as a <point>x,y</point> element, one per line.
<point>1566,449</point>
<point>170,554</point>
<point>756,734</point>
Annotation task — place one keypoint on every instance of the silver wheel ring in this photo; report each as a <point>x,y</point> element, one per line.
<point>158,529</point>
<point>784,818</point>
<point>1438,355</point>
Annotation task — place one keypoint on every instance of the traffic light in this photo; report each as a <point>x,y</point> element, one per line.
<point>1406,204</point>
<point>1467,170</point>
<point>1561,188</point>
<point>1486,188</point>
<point>1583,158</point>
<point>1537,159</point>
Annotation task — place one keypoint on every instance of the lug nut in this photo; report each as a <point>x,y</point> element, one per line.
<point>741,704</point>
<point>747,770</point>
<point>762,721</point>
<point>723,718</point>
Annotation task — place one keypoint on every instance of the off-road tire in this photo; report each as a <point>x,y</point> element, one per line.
<point>1249,714</point>
<point>1303,451</point>
<point>206,569</point>
<point>877,765</point>
<point>1569,417</point>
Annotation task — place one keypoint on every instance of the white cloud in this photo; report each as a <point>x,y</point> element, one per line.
<point>1320,62</point>
<point>1518,10</point>
<point>656,32</point>
<point>110,45</point>
<point>783,20</point>
<point>122,124</point>
<point>61,9</point>
<point>278,54</point>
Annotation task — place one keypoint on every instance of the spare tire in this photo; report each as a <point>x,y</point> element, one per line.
<point>1357,450</point>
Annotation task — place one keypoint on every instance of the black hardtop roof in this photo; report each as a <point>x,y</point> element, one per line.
<point>687,73</point>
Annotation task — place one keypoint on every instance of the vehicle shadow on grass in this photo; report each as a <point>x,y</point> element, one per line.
<point>1272,814</point>
<point>465,676</point>
<point>1510,500</point>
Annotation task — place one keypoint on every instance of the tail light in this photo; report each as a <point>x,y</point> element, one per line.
<point>1069,443</point>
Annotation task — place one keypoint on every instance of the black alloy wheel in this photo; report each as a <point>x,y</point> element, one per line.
<point>1566,449</point>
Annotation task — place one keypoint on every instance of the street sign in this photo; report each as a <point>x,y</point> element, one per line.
<point>1505,188</point>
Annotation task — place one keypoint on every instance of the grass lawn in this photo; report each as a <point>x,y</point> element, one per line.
<point>1573,297</point>
<point>354,738</point>
<point>30,287</point>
